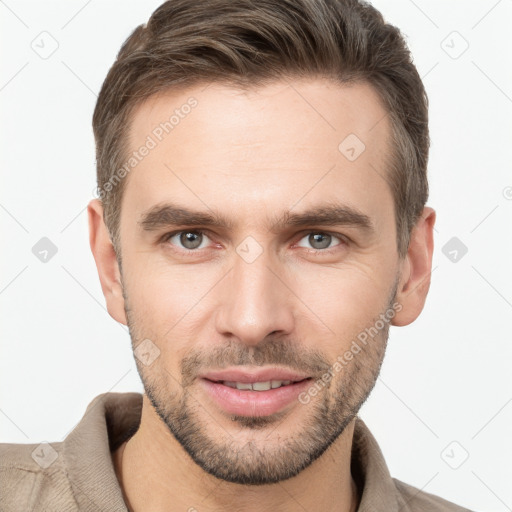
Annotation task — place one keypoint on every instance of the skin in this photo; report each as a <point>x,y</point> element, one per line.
<point>251,156</point>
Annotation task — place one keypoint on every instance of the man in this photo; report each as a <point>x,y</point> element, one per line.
<point>261,222</point>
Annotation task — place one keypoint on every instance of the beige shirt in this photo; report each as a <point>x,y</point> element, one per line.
<point>78,473</point>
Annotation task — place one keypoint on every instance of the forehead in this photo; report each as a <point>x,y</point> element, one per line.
<point>254,151</point>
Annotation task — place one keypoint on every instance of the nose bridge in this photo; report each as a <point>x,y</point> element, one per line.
<point>255,302</point>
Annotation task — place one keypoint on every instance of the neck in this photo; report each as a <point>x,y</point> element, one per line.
<point>157,474</point>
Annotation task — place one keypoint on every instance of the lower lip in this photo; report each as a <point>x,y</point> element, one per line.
<point>253,403</point>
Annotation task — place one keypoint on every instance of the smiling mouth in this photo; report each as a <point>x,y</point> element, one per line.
<point>251,395</point>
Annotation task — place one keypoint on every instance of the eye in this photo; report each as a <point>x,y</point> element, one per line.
<point>320,241</point>
<point>187,239</point>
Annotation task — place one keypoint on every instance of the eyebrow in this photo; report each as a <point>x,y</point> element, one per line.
<point>166,215</point>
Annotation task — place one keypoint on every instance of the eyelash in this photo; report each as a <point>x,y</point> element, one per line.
<point>191,252</point>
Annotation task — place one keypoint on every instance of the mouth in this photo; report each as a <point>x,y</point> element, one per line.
<point>260,393</point>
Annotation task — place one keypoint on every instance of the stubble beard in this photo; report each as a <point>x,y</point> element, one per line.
<point>267,454</point>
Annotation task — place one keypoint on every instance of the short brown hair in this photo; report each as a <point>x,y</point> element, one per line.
<point>252,42</point>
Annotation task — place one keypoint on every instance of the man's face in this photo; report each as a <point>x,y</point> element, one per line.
<point>274,294</point>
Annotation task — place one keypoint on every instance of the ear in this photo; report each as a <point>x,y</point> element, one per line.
<point>416,270</point>
<point>106,261</point>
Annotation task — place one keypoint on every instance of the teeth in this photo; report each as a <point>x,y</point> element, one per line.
<point>243,385</point>
<point>257,386</point>
<point>261,386</point>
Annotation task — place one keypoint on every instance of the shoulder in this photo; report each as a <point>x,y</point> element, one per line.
<point>32,476</point>
<point>412,499</point>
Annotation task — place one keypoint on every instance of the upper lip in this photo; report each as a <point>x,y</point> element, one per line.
<point>247,375</point>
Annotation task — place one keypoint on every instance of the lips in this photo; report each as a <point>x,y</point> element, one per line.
<point>259,392</point>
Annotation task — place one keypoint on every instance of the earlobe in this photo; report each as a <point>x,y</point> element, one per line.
<point>417,267</point>
<point>106,261</point>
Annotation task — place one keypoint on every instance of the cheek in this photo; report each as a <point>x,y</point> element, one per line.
<point>169,303</point>
<point>342,303</point>
<point>159,288</point>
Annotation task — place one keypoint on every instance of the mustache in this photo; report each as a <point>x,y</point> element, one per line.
<point>271,352</point>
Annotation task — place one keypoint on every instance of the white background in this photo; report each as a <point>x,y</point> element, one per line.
<point>446,377</point>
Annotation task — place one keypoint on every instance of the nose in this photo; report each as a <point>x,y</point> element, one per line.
<point>255,301</point>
